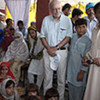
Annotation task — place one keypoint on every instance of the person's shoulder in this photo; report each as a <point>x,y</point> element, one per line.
<point>86,38</point>
<point>48,17</point>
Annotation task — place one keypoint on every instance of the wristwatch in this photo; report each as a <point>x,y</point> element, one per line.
<point>57,47</point>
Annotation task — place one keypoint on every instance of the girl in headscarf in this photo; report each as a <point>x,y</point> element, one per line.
<point>1,36</point>
<point>8,90</point>
<point>16,54</point>
<point>5,71</point>
<point>36,54</point>
<point>5,43</point>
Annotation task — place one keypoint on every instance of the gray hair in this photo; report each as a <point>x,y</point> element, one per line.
<point>52,2</point>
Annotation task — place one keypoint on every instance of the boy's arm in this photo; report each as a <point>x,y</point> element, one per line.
<point>80,75</point>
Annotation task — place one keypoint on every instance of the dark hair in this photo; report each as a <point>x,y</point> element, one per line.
<point>77,12</point>
<point>32,98</point>
<point>52,92</point>
<point>80,21</point>
<point>9,82</point>
<point>96,6</point>
<point>32,87</point>
<point>20,22</point>
<point>8,20</point>
<point>67,5</point>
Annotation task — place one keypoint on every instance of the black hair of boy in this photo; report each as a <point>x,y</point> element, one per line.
<point>81,21</point>
<point>52,92</point>
<point>67,5</point>
<point>32,98</point>
<point>8,20</point>
<point>9,82</point>
<point>97,6</point>
<point>77,12</point>
<point>20,22</point>
<point>32,87</point>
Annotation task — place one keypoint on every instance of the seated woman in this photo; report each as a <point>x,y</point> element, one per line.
<point>16,54</point>
<point>36,54</point>
<point>5,71</point>
<point>5,43</point>
<point>8,90</point>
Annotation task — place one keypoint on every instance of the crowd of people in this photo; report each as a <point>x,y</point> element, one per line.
<point>67,46</point>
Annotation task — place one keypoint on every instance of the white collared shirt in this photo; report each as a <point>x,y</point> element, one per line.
<point>55,31</point>
<point>90,26</point>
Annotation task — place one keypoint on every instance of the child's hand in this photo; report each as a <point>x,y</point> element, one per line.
<point>84,61</point>
<point>80,76</point>
<point>96,61</point>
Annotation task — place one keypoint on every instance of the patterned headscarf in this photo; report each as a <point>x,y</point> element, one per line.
<point>3,90</point>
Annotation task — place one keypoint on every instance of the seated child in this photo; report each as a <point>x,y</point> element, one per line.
<point>32,90</point>
<point>52,94</point>
<point>8,90</point>
<point>76,72</point>
<point>5,71</point>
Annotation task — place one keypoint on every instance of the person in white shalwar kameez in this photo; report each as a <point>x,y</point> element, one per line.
<point>16,54</point>
<point>93,84</point>
<point>36,65</point>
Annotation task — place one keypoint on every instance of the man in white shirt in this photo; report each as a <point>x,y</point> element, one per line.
<point>56,32</point>
<point>91,20</point>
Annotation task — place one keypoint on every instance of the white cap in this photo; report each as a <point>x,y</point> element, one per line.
<point>54,62</point>
<point>2,14</point>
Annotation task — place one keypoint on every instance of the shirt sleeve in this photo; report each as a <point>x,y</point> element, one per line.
<point>43,29</point>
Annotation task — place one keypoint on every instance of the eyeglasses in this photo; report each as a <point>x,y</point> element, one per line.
<point>54,9</point>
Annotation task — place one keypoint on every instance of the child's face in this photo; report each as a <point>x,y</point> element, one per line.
<point>4,70</point>
<point>20,26</point>
<point>32,34</point>
<point>81,29</point>
<point>32,93</point>
<point>10,90</point>
<point>6,34</point>
<point>97,14</point>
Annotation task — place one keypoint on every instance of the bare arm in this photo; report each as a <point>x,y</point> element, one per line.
<point>63,42</point>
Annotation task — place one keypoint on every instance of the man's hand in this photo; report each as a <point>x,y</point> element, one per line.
<point>84,61</point>
<point>80,76</point>
<point>96,61</point>
<point>52,51</point>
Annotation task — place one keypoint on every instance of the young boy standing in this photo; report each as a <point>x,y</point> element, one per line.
<point>77,73</point>
<point>93,84</point>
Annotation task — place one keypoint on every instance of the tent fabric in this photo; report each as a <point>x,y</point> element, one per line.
<point>19,10</point>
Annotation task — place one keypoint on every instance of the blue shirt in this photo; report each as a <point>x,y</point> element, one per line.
<point>55,31</point>
<point>79,48</point>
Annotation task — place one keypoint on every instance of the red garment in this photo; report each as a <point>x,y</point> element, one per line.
<point>7,41</point>
<point>9,71</point>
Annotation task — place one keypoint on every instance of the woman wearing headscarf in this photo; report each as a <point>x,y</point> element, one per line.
<point>1,36</point>
<point>5,43</point>
<point>16,54</point>
<point>8,90</point>
<point>5,71</point>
